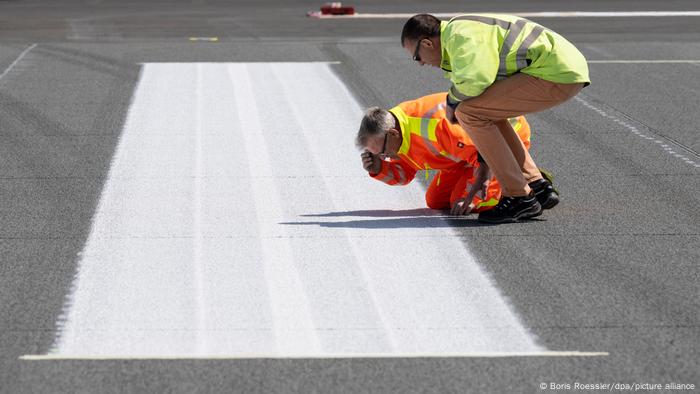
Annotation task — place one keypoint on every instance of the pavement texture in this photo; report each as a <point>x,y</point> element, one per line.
<point>613,268</point>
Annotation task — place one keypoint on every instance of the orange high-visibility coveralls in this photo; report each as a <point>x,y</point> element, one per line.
<point>431,142</point>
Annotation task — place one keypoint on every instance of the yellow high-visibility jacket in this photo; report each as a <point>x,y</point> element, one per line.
<point>478,49</point>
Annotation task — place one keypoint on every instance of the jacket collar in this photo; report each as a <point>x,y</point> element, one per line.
<point>402,119</point>
<point>445,64</point>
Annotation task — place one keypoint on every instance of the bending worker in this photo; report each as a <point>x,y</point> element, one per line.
<point>415,135</point>
<point>500,66</point>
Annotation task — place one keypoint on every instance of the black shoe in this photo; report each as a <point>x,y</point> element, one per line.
<point>512,209</point>
<point>546,194</point>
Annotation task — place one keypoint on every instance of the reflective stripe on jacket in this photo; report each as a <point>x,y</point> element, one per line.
<point>478,49</point>
<point>431,142</point>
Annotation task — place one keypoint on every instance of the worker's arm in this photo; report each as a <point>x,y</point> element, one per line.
<point>482,177</point>
<point>390,172</point>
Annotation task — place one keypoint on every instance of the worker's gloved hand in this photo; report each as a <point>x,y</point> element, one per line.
<point>371,163</point>
<point>462,207</point>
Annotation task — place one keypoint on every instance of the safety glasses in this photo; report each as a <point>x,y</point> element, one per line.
<point>416,55</point>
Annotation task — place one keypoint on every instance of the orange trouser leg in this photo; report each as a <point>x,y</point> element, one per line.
<point>447,186</point>
<point>483,118</point>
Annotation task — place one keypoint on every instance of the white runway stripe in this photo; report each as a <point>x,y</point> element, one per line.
<point>546,14</point>
<point>293,324</point>
<point>237,221</point>
<point>333,356</point>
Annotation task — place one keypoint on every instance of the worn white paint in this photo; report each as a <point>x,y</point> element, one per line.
<point>17,60</point>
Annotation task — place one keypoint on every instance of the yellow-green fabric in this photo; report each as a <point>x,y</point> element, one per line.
<point>478,49</point>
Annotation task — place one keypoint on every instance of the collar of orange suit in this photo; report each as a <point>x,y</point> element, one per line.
<point>405,130</point>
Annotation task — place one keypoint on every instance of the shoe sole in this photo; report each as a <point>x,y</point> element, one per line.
<point>523,215</point>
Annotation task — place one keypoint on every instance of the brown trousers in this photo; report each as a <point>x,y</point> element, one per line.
<point>484,118</point>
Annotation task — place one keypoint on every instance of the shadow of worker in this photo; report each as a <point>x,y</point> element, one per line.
<point>389,219</point>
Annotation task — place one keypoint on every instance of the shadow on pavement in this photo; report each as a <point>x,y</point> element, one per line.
<point>409,218</point>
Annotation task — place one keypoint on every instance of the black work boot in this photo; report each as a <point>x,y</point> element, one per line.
<point>512,209</point>
<point>546,194</point>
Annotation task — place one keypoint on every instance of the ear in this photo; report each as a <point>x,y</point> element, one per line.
<point>394,132</point>
<point>434,42</point>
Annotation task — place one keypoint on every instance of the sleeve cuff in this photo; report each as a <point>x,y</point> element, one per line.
<point>451,102</point>
<point>382,172</point>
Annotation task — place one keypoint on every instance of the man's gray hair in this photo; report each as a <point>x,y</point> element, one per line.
<point>375,123</point>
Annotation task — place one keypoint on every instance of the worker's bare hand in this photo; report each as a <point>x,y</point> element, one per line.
<point>371,163</point>
<point>481,183</point>
<point>478,190</point>
<point>461,207</point>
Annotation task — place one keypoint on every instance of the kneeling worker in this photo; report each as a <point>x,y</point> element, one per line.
<point>416,135</point>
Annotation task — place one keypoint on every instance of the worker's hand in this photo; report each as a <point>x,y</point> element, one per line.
<point>462,207</point>
<point>482,178</point>
<point>371,163</point>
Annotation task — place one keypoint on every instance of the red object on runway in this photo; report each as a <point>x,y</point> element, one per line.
<point>337,8</point>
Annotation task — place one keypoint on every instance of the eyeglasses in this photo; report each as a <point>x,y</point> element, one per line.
<point>416,55</point>
<point>383,154</point>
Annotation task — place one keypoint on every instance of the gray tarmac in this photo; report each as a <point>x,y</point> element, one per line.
<point>613,268</point>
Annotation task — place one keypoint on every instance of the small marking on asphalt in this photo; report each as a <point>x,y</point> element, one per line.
<point>634,130</point>
<point>209,39</point>
<point>19,58</point>
<point>320,357</point>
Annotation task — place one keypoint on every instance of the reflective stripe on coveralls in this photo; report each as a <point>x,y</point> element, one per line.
<point>390,178</point>
<point>427,132</point>
<point>427,126</point>
<point>402,175</point>
<point>491,202</point>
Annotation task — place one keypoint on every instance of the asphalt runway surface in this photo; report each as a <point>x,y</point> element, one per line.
<point>613,268</point>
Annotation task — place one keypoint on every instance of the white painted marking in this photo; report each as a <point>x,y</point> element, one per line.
<point>634,130</point>
<point>197,260</point>
<point>236,221</point>
<point>293,322</point>
<point>555,14</point>
<point>306,62</point>
<point>51,357</point>
<point>207,39</point>
<point>19,58</point>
